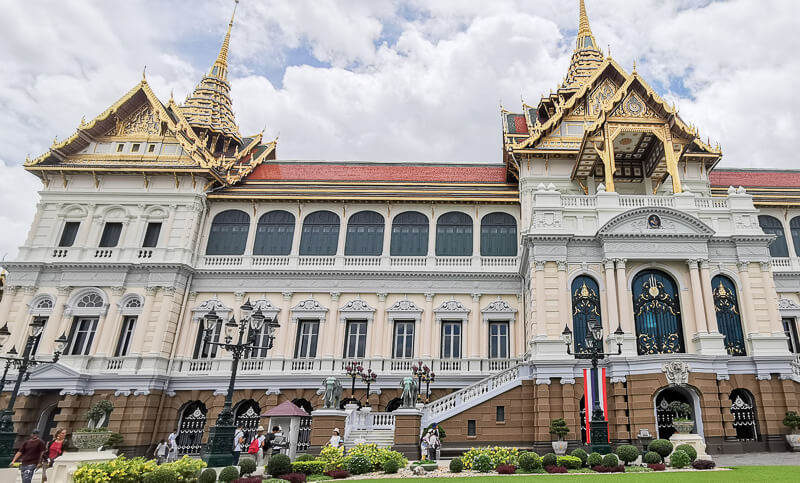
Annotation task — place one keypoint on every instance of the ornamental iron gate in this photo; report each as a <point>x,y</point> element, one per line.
<point>585,306</point>
<point>664,414</point>
<point>248,414</point>
<point>729,320</point>
<point>304,437</point>
<point>744,415</point>
<point>190,429</point>
<point>657,312</point>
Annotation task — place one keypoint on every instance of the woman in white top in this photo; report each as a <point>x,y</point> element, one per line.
<point>261,438</point>
<point>336,440</point>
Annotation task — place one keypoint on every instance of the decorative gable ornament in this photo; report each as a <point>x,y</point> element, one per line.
<point>404,309</point>
<point>200,311</point>
<point>309,309</point>
<point>356,309</point>
<point>786,304</point>
<point>267,308</point>
<point>499,309</point>
<point>451,309</point>
<point>677,372</point>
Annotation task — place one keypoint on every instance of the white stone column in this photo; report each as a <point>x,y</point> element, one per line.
<point>167,302</point>
<point>9,294</point>
<point>771,296</point>
<point>86,227</point>
<point>423,339</point>
<point>625,304</point>
<point>55,322</point>
<point>187,336</point>
<point>705,343</point>
<point>288,325</point>
<point>251,236</point>
<point>564,312</point>
<point>539,300</point>
<point>519,328</point>
<point>298,233</point>
<point>697,297</point>
<point>432,233</point>
<point>332,332</point>
<point>476,333</point>
<point>612,301</point>
<point>708,297</point>
<point>375,333</point>
<point>749,323</point>
<point>106,332</point>
<point>143,322</point>
<point>19,329</point>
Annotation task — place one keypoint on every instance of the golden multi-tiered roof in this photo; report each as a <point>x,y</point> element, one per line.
<point>140,134</point>
<point>611,123</point>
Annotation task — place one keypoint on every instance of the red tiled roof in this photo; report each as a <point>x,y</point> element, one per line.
<point>760,178</point>
<point>378,172</point>
<point>285,409</point>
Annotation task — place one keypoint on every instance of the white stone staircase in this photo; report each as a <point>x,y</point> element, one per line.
<point>384,438</point>
<point>472,395</point>
<point>365,426</point>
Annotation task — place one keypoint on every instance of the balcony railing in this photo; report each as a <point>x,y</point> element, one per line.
<point>785,264</point>
<point>452,264</point>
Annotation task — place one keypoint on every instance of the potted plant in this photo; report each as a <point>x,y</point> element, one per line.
<point>682,413</point>
<point>559,428</point>
<point>792,421</point>
<point>96,434</point>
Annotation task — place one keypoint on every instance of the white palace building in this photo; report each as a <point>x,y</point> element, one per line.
<point>606,204</point>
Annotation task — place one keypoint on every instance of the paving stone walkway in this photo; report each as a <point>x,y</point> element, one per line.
<point>758,459</point>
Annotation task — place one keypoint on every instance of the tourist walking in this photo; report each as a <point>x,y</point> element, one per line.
<point>54,450</point>
<point>238,443</point>
<point>172,446</point>
<point>161,452</point>
<point>30,456</point>
<point>262,439</point>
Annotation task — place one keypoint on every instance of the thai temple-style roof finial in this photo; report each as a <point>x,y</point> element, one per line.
<point>209,108</point>
<point>587,56</point>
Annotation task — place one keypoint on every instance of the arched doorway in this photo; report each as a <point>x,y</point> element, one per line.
<point>665,415</point>
<point>394,404</point>
<point>47,421</point>
<point>303,403</point>
<point>304,435</point>
<point>248,414</point>
<point>191,426</point>
<point>745,420</point>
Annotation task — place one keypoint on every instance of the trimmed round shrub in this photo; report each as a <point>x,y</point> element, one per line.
<point>688,449</point>
<point>279,465</point>
<point>652,458</point>
<point>506,469</point>
<point>230,473</point>
<point>549,459</point>
<point>391,466</point>
<point>358,464</point>
<point>679,459</point>
<point>209,475</point>
<point>610,460</point>
<point>570,462</point>
<point>580,453</point>
<point>482,463</point>
<point>628,453</point>
<point>305,457</point>
<point>661,446</point>
<point>530,462</point>
<point>456,466</point>
<point>247,466</point>
<point>594,459</point>
<point>161,475</point>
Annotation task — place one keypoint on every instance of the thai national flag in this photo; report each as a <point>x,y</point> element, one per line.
<point>594,389</point>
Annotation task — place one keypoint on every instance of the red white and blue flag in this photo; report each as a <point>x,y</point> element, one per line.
<point>594,389</point>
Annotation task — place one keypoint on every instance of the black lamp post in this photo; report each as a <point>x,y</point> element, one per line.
<point>353,371</point>
<point>23,365</point>
<point>368,378</point>
<point>220,436</point>
<point>598,431</point>
<point>424,374</point>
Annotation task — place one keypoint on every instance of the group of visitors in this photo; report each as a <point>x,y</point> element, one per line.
<point>167,449</point>
<point>34,453</point>
<point>261,445</point>
<point>430,443</point>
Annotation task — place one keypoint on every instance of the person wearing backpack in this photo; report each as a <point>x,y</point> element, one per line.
<point>238,443</point>
<point>256,447</point>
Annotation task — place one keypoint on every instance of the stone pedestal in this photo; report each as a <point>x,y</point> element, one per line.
<point>545,349</point>
<point>712,344</point>
<point>66,464</point>
<point>220,446</point>
<point>407,431</point>
<point>323,422</point>
<point>694,440</point>
<point>769,345</point>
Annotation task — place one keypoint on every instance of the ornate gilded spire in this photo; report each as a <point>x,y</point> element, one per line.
<point>586,57</point>
<point>209,109</point>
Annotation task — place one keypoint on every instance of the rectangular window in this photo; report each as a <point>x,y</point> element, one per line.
<point>451,340</point>
<point>35,346</point>
<point>355,345</point>
<point>203,349</point>
<point>790,329</point>
<point>471,428</point>
<point>135,147</point>
<point>110,236</point>
<point>151,235</point>
<point>151,148</point>
<point>261,341</point>
<point>81,335</point>
<point>120,147</point>
<point>403,340</point>
<point>500,414</point>
<point>307,335</point>
<point>69,233</point>
<point>125,336</point>
<point>498,340</point>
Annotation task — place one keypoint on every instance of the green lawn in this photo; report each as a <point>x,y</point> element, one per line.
<point>744,474</point>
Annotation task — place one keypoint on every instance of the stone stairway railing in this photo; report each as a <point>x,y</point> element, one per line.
<point>477,393</point>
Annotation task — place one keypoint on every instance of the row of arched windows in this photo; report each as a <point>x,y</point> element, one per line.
<point>364,237</point>
<point>774,226</point>
<point>657,312</point>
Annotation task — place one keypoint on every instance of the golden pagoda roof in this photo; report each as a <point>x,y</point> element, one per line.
<point>586,58</point>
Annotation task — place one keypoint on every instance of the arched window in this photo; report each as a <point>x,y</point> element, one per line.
<point>729,319</point>
<point>191,427</point>
<point>409,235</point>
<point>364,234</point>
<point>657,312</point>
<point>228,233</point>
<point>585,306</point>
<point>498,235</point>
<point>454,235</point>
<point>90,300</point>
<point>320,234</point>
<point>794,228</point>
<point>773,226</point>
<point>745,420</point>
<point>274,233</point>
<point>248,414</point>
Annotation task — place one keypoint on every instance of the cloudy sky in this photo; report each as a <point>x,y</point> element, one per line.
<point>407,80</point>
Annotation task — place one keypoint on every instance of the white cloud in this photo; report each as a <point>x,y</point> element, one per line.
<point>409,80</point>
<point>18,198</point>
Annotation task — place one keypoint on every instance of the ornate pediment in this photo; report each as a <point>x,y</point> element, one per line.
<point>655,222</point>
<point>267,308</point>
<point>499,309</point>
<point>356,309</point>
<point>404,306</point>
<point>451,309</point>
<point>212,303</point>
<point>633,107</point>
<point>786,304</point>
<point>142,121</point>
<point>309,309</point>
